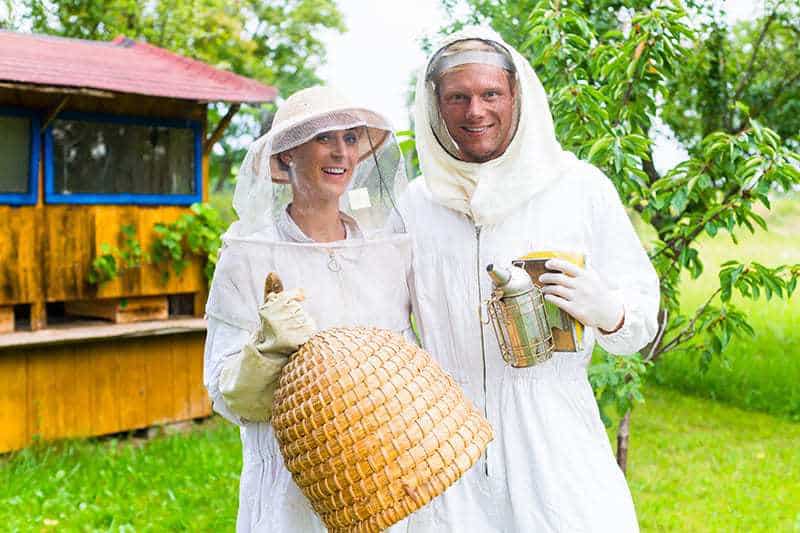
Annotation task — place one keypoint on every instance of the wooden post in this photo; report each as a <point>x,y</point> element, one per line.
<point>38,307</point>
<point>38,315</point>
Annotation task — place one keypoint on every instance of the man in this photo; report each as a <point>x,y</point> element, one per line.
<point>496,186</point>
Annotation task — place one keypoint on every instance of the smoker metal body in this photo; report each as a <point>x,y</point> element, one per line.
<point>517,312</point>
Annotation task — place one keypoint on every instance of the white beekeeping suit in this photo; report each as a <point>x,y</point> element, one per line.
<point>362,280</point>
<point>550,466</point>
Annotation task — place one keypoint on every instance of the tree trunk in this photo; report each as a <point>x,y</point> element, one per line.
<point>224,174</point>
<point>623,436</point>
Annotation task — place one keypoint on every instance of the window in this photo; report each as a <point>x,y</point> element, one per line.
<point>97,159</point>
<point>19,156</point>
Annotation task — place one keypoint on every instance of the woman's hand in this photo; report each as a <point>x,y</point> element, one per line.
<point>249,378</point>
<point>284,325</point>
<point>583,294</point>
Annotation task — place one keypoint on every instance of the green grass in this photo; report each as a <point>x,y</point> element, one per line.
<point>182,482</point>
<point>763,372</point>
<point>695,465</point>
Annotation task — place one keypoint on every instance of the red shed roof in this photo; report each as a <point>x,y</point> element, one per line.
<point>123,66</point>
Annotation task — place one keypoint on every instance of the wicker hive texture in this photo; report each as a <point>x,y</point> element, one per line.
<point>371,428</point>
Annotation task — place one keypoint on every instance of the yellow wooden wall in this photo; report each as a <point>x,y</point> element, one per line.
<point>87,389</point>
<point>20,257</point>
<point>74,235</point>
<point>46,253</point>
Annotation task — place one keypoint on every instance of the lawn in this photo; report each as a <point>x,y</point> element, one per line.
<point>763,372</point>
<point>180,482</point>
<point>696,465</point>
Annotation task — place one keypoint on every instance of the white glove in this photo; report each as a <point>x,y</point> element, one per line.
<point>249,378</point>
<point>285,325</point>
<point>581,293</point>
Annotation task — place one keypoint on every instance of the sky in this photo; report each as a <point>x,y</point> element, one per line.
<point>374,60</point>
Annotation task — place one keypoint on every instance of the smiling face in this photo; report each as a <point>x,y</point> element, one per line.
<point>324,166</point>
<point>476,102</point>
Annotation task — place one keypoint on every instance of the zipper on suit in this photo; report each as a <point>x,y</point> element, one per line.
<point>336,268</point>
<point>333,264</point>
<point>483,349</point>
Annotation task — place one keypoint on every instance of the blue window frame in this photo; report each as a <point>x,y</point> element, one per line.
<point>29,195</point>
<point>111,134</point>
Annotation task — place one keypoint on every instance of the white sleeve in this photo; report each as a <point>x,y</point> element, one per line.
<point>620,259</point>
<point>222,341</point>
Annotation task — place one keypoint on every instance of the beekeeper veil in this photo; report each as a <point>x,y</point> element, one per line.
<point>264,183</point>
<point>367,268</point>
<point>486,191</point>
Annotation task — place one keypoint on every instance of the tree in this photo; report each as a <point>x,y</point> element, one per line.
<point>611,69</point>
<point>756,63</point>
<point>276,42</point>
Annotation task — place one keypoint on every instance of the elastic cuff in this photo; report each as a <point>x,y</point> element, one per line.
<point>622,340</point>
<point>620,324</point>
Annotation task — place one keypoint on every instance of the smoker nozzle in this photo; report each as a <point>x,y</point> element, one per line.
<point>500,276</point>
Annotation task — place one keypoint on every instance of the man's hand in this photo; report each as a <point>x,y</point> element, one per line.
<point>581,293</point>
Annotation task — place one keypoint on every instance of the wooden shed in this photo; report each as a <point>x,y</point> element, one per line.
<point>96,136</point>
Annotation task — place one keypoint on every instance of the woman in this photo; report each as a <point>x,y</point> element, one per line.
<point>313,198</point>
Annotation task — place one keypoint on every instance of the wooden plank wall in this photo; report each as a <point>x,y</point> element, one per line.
<point>20,261</point>
<point>74,235</point>
<point>96,388</point>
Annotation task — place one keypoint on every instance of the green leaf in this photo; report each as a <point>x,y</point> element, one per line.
<point>599,146</point>
<point>759,220</point>
<point>678,202</point>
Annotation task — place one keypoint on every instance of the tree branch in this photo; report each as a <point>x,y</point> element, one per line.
<point>654,352</point>
<point>650,169</point>
<point>779,94</point>
<point>626,98</point>
<point>623,436</point>
<point>749,70</point>
<point>683,240</point>
<point>688,332</point>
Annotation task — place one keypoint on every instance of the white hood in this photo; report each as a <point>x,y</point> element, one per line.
<point>488,192</point>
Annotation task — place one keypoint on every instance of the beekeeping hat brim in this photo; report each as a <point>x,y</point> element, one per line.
<point>317,110</point>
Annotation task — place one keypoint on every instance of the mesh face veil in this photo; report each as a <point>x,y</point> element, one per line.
<point>264,189</point>
<point>486,191</point>
<point>450,58</point>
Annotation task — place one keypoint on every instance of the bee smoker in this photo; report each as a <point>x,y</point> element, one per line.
<point>517,312</point>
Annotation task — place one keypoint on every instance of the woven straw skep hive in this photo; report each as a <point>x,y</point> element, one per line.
<point>371,428</point>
